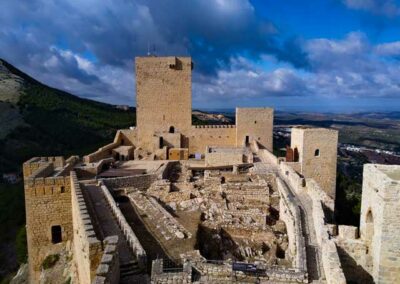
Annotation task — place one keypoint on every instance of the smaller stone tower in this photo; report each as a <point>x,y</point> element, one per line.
<point>254,124</point>
<point>48,210</point>
<point>316,151</point>
<point>380,220</point>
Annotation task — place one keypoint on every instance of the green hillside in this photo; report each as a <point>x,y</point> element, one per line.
<point>48,121</point>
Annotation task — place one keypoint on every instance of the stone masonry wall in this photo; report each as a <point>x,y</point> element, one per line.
<point>202,136</point>
<point>139,182</point>
<point>223,158</point>
<point>101,153</point>
<point>87,249</point>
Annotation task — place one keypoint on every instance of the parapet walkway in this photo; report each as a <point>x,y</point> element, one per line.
<point>314,263</point>
<point>108,226</point>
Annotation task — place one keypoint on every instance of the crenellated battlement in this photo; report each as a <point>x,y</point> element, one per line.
<point>215,126</point>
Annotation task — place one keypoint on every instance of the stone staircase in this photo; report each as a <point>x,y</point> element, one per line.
<point>130,272</point>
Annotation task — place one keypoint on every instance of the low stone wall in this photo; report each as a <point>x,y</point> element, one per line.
<point>141,182</point>
<point>331,262</point>
<point>316,193</point>
<point>33,164</point>
<point>290,214</point>
<point>169,226</point>
<point>108,271</point>
<point>292,177</point>
<point>221,272</point>
<point>69,166</point>
<point>330,257</point>
<point>130,236</point>
<point>87,249</point>
<point>43,171</point>
<point>101,153</point>
<point>160,275</point>
<point>92,169</point>
<point>223,158</point>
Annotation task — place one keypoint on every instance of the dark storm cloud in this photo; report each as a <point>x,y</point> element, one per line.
<point>211,31</point>
<point>87,47</point>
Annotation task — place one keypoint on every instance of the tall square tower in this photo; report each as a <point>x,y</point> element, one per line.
<point>163,96</point>
<point>316,151</point>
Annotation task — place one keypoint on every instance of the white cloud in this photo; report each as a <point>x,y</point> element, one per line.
<point>384,7</point>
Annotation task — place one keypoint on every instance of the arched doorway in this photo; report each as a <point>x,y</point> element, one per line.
<point>171,129</point>
<point>369,226</point>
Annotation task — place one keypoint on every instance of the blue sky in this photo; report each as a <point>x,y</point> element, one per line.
<point>326,55</point>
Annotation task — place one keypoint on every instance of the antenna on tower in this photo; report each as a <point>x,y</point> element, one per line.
<point>148,49</point>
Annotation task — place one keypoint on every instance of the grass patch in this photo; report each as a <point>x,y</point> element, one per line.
<point>50,261</point>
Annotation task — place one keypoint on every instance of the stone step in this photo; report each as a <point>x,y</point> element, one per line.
<point>130,268</point>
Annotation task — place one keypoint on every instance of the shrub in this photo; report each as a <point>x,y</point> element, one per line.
<point>21,246</point>
<point>50,261</point>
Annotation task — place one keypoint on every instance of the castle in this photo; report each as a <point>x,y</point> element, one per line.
<point>172,202</point>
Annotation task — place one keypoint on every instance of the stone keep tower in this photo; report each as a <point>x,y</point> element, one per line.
<point>48,211</point>
<point>316,151</point>
<point>380,220</point>
<point>163,97</point>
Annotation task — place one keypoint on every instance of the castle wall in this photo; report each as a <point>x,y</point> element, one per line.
<point>291,176</point>
<point>139,182</point>
<point>102,153</point>
<point>87,249</point>
<point>108,270</point>
<point>130,236</point>
<point>202,136</point>
<point>231,156</point>
<point>317,148</point>
<point>380,220</point>
<point>257,124</point>
<point>163,96</point>
<point>290,214</point>
<point>47,204</point>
